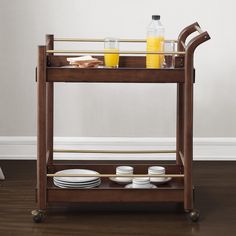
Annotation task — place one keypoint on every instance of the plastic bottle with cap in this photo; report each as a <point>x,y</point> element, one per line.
<point>155,38</point>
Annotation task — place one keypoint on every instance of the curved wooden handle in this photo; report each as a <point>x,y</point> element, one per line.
<point>202,37</point>
<point>194,42</point>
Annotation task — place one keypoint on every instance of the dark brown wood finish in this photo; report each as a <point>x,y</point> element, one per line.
<point>180,96</point>
<point>188,117</point>
<point>180,123</point>
<point>120,75</point>
<point>112,192</point>
<point>214,197</point>
<point>180,112</point>
<point>53,68</point>
<point>41,130</point>
<point>115,195</point>
<point>188,135</point>
<point>50,108</point>
<point>185,33</point>
<point>124,61</point>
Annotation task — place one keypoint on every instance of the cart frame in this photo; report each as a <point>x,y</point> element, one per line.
<point>132,69</point>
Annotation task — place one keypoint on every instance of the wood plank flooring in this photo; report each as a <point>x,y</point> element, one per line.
<point>215,197</point>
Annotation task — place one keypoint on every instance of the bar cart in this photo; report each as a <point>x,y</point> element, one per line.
<point>52,68</point>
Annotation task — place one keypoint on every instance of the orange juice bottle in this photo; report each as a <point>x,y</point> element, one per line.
<point>155,37</point>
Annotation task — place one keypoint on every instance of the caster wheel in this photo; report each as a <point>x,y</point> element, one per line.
<point>194,215</point>
<point>38,216</point>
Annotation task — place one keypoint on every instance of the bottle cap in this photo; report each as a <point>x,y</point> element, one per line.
<point>156,17</point>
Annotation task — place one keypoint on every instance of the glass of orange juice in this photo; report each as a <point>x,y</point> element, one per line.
<point>111,52</point>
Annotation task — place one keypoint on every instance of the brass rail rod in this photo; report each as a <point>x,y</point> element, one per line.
<point>114,175</point>
<point>200,31</point>
<point>100,40</point>
<point>183,44</point>
<point>47,156</point>
<point>115,151</point>
<point>182,157</point>
<point>112,52</point>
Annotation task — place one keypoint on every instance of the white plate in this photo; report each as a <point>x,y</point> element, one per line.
<point>73,187</point>
<point>131,186</point>
<point>119,180</point>
<point>76,179</point>
<point>167,179</point>
<point>76,186</point>
<point>77,183</point>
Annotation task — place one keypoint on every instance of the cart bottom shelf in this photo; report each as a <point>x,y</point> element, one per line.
<point>112,192</point>
<point>114,195</point>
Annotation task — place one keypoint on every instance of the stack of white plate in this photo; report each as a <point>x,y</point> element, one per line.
<point>77,182</point>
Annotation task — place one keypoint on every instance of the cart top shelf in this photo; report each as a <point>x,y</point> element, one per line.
<point>131,66</point>
<point>132,70</point>
<point>120,75</point>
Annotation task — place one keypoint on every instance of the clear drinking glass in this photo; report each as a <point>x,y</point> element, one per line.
<point>169,59</point>
<point>111,59</point>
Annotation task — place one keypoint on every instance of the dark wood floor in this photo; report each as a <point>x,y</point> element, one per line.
<point>215,197</point>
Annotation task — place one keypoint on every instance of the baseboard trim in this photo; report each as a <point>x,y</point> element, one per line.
<point>24,148</point>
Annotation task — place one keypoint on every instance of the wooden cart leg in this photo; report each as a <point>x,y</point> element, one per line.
<point>41,136</point>
<point>49,100</point>
<point>180,123</point>
<point>188,148</point>
<point>188,153</point>
<point>49,93</point>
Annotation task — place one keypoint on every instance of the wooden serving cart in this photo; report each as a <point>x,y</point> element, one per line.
<point>52,69</point>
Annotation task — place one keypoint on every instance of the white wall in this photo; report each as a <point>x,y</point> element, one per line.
<point>116,110</point>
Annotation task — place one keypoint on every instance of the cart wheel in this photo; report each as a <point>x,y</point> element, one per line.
<point>194,215</point>
<point>38,215</point>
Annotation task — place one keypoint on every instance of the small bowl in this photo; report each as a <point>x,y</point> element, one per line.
<point>156,170</point>
<point>141,182</point>
<point>124,170</point>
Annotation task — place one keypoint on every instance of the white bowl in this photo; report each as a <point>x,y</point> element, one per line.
<point>156,170</point>
<point>124,170</point>
<point>141,185</point>
<point>141,182</point>
<point>149,186</point>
